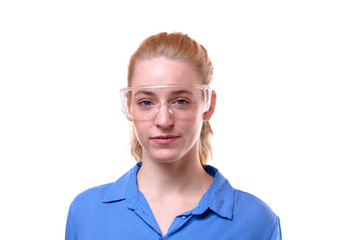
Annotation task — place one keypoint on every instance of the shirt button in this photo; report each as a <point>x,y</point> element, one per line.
<point>160,238</point>
<point>183,217</point>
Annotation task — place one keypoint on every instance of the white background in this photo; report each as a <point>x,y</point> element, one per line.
<point>286,124</point>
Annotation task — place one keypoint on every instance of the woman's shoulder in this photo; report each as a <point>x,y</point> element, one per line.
<point>256,212</point>
<point>92,195</point>
<point>106,192</point>
<point>251,202</point>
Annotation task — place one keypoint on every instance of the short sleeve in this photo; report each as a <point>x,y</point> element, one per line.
<point>70,229</point>
<point>276,234</point>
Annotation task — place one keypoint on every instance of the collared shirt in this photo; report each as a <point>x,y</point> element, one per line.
<point>120,211</point>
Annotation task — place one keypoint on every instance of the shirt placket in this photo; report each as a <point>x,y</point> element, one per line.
<point>178,222</point>
<point>139,205</point>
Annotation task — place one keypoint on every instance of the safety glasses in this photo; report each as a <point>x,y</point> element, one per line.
<point>182,101</point>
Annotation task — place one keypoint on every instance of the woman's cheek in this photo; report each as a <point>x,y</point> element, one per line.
<point>142,131</point>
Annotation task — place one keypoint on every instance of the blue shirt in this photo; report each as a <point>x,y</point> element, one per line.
<point>120,211</point>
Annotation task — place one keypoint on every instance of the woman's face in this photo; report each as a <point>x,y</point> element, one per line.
<point>166,138</point>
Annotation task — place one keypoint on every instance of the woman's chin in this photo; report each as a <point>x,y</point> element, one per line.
<point>164,157</point>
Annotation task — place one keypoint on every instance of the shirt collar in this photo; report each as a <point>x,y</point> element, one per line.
<point>124,188</point>
<point>219,197</point>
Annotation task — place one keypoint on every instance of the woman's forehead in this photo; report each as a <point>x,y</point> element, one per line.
<point>165,71</point>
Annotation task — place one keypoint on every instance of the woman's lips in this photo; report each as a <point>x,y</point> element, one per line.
<point>164,139</point>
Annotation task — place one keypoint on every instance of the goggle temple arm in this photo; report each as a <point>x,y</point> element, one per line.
<point>208,94</point>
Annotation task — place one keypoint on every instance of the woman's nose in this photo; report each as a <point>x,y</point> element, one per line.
<point>164,117</point>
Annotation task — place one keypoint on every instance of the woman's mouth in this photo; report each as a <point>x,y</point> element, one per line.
<point>164,139</point>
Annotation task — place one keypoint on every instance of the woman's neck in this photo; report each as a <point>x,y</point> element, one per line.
<point>175,178</point>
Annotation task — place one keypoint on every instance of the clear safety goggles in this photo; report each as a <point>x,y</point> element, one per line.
<point>182,101</point>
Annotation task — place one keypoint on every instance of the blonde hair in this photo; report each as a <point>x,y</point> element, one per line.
<point>182,47</point>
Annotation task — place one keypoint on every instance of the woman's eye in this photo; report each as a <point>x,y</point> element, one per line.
<point>145,103</point>
<point>181,101</point>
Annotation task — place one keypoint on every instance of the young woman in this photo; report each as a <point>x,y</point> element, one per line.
<point>171,193</point>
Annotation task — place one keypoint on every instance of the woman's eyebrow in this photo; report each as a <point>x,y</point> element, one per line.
<point>148,93</point>
<point>175,92</point>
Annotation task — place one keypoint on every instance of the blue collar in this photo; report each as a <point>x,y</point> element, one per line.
<point>219,197</point>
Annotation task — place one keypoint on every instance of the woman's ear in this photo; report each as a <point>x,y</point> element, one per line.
<point>207,115</point>
<point>129,118</point>
<point>127,113</point>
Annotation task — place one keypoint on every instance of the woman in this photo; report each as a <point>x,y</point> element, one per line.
<point>170,193</point>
